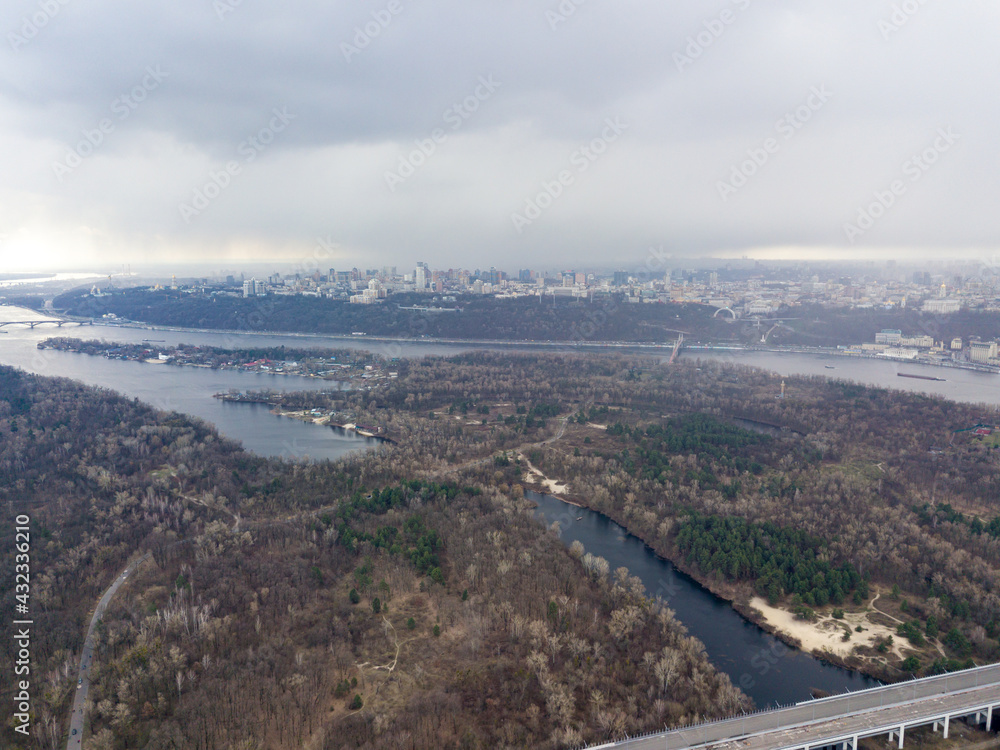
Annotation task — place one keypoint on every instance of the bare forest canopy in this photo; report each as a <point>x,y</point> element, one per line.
<point>854,489</point>
<point>347,604</point>
<point>605,318</point>
<point>406,592</point>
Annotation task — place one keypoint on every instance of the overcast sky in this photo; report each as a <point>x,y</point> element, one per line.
<point>478,132</point>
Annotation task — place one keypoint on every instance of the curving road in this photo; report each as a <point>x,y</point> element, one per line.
<point>75,738</point>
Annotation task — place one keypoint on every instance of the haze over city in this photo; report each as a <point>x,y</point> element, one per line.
<point>572,133</point>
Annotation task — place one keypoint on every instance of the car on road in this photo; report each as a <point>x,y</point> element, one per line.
<point>79,683</point>
<point>74,731</point>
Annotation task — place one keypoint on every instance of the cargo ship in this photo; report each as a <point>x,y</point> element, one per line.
<point>919,377</point>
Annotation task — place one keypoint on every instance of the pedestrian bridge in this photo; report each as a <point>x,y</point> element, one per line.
<point>840,721</point>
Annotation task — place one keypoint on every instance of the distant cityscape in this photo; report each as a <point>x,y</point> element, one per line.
<point>740,291</point>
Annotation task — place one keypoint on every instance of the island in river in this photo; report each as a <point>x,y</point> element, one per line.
<point>337,364</point>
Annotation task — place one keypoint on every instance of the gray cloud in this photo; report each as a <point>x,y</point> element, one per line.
<point>702,87</point>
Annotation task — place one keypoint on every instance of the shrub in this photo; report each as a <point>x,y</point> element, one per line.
<point>804,613</point>
<point>911,632</point>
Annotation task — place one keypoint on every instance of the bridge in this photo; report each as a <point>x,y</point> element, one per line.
<point>677,348</point>
<point>55,321</point>
<point>840,721</point>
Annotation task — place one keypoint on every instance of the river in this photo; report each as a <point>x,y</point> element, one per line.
<point>758,663</point>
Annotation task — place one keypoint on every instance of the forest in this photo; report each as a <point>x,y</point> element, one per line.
<point>603,318</point>
<point>867,489</point>
<point>354,604</point>
<point>405,596</point>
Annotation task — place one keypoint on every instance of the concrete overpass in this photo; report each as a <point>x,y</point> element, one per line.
<point>838,722</point>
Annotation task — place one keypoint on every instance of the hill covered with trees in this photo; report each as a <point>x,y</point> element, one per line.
<point>603,318</point>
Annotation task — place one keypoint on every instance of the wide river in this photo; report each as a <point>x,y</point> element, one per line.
<point>757,662</point>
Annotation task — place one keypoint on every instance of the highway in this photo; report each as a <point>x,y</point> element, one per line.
<point>75,739</point>
<point>814,720</point>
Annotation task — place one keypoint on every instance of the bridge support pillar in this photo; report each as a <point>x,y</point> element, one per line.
<point>945,733</point>
<point>902,731</point>
<point>989,718</point>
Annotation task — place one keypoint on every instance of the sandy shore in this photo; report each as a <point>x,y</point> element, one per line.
<point>534,476</point>
<point>825,634</point>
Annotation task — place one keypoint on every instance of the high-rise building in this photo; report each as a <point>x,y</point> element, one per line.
<point>621,278</point>
<point>421,276</point>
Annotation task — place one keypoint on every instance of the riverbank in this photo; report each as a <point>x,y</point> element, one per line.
<point>428,340</point>
<point>326,420</point>
<point>822,639</point>
<point>841,353</point>
<point>551,486</point>
<point>391,344</point>
<point>336,365</point>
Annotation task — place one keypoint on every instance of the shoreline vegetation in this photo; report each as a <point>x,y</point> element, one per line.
<point>810,637</point>
<point>338,365</point>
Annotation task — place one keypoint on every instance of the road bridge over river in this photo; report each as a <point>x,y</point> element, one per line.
<point>840,721</point>
<point>58,322</point>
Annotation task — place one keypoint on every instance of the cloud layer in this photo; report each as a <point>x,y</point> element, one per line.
<point>476,132</point>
